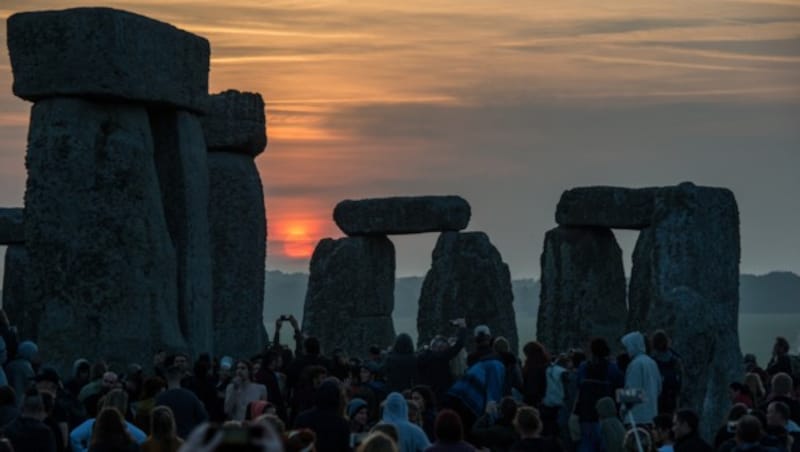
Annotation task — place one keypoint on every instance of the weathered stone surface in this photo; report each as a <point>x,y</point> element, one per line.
<point>12,229</point>
<point>693,262</point>
<point>610,207</point>
<point>238,228</point>
<point>582,288</point>
<point>16,263</point>
<point>350,294</point>
<point>641,285</point>
<point>236,123</point>
<point>402,215</point>
<point>181,162</point>
<point>468,278</point>
<point>101,272</point>
<point>103,53</point>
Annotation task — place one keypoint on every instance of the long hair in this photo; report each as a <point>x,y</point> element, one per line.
<point>110,430</point>
<point>378,442</point>
<point>536,356</point>
<point>162,428</point>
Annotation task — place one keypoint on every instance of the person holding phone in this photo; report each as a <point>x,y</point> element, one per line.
<point>241,391</point>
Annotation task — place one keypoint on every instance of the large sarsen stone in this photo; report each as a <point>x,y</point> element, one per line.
<point>12,229</point>
<point>610,207</point>
<point>236,123</point>
<point>104,53</point>
<point>402,215</point>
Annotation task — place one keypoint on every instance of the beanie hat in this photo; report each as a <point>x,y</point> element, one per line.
<point>354,405</point>
<point>27,350</point>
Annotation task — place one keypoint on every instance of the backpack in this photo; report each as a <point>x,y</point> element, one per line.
<point>670,374</point>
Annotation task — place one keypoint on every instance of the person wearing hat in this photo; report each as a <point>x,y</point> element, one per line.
<point>20,370</point>
<point>483,345</point>
<point>357,413</point>
<point>48,381</point>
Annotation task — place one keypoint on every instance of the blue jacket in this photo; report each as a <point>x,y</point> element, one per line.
<point>484,381</point>
<point>411,438</point>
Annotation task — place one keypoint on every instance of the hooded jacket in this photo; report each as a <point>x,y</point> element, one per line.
<point>642,373</point>
<point>411,438</point>
<point>612,432</point>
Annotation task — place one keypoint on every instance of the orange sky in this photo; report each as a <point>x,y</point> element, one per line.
<point>506,103</point>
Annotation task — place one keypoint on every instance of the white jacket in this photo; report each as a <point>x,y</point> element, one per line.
<point>642,373</point>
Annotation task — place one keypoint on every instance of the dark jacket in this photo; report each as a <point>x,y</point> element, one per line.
<point>325,419</point>
<point>498,437</point>
<point>691,443</point>
<point>400,366</point>
<point>434,366</point>
<point>29,434</point>
<point>536,445</point>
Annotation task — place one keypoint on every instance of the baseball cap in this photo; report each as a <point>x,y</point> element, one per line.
<point>482,330</point>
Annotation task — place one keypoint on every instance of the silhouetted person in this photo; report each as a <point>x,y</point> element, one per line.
<point>187,409</point>
<point>29,433</point>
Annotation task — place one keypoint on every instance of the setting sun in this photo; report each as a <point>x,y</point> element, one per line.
<point>298,242</point>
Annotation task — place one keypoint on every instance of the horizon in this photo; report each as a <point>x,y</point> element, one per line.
<point>506,106</point>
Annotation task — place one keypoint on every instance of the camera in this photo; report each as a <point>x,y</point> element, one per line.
<point>630,396</point>
<point>454,323</point>
<point>284,318</point>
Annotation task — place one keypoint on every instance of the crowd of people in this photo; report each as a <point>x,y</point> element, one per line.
<point>464,391</point>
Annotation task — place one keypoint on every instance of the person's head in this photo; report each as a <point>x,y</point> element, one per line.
<point>423,396</point>
<point>599,348</point>
<point>28,350</point>
<point>576,358</point>
<point>358,410</point>
<point>110,381</point>
<point>660,341</point>
<point>508,409</point>
<point>311,346</point>
<point>117,399</point>
<point>181,360</point>
<point>403,344</point>
<point>662,429</point>
<point>33,405</point>
<point>501,345</point>
<point>748,430</point>
<point>378,442</point>
<point>735,389</point>
<point>99,368</point>
<point>778,414</point>
<point>685,423</point>
<point>448,427</point>
<point>736,412</point>
<point>272,360</point>
<point>48,380</point>
<point>536,355</point>
<point>527,422</point>
<point>634,343</point>
<point>782,384</point>
<point>387,429</point>
<point>315,375</point>
<point>110,429</point>
<point>81,370</point>
<point>483,336</point>
<point>781,346</point>
<point>174,375</point>
<point>753,381</point>
<point>244,370</point>
<point>300,440</point>
<point>162,423</point>
<point>152,387</point>
<point>629,443</point>
<point>414,413</point>
<point>439,343</point>
<point>366,372</point>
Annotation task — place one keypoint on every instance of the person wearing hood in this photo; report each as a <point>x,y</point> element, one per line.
<point>400,366</point>
<point>358,413</point>
<point>20,370</point>
<point>642,374</point>
<point>326,419</point>
<point>612,432</point>
<point>411,438</point>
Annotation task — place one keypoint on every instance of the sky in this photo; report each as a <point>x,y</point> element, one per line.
<point>506,103</point>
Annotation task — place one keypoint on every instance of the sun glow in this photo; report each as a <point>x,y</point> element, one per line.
<point>298,240</point>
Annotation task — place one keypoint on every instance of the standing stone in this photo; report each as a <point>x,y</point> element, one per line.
<point>693,263</point>
<point>12,228</point>
<point>16,267</point>
<point>640,289</point>
<point>238,249</point>
<point>181,161</point>
<point>235,133</point>
<point>104,53</point>
<point>468,278</point>
<point>582,288</point>
<point>610,207</point>
<point>350,294</point>
<point>101,273</point>
<point>402,215</point>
